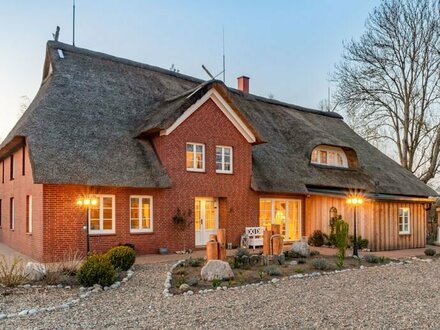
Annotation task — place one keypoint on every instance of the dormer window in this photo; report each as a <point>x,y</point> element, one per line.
<point>329,156</point>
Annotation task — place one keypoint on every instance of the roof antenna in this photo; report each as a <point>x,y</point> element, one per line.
<point>224,56</point>
<point>224,63</point>
<point>56,35</point>
<point>73,40</point>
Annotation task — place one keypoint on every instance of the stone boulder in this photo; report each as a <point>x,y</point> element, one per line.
<point>301,248</point>
<point>35,271</point>
<point>216,269</point>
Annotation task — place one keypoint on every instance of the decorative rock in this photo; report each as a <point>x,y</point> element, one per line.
<point>184,287</point>
<point>35,271</point>
<point>33,311</point>
<point>293,263</point>
<point>301,248</point>
<point>3,316</point>
<point>27,286</point>
<point>115,285</point>
<point>23,313</point>
<point>275,280</point>
<point>97,286</point>
<point>190,293</point>
<point>216,269</point>
<point>59,286</point>
<point>67,287</point>
<point>96,290</point>
<point>65,306</point>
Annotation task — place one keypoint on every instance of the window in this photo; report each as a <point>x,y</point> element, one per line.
<point>404,220</point>
<point>23,161</point>
<point>28,214</point>
<point>223,159</point>
<point>3,171</point>
<point>195,157</point>
<point>11,163</point>
<point>102,215</point>
<point>284,212</point>
<point>329,156</point>
<point>1,213</point>
<point>141,214</point>
<point>12,213</point>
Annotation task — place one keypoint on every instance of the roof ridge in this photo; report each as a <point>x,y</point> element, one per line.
<point>64,46</point>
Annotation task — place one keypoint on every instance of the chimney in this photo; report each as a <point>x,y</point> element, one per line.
<point>243,84</point>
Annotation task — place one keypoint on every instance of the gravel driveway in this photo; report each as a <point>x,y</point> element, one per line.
<point>396,297</point>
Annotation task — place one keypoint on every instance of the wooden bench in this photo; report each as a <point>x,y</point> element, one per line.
<point>253,236</point>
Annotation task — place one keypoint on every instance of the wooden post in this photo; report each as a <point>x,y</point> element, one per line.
<point>276,229</point>
<point>266,242</point>
<point>212,250</point>
<point>212,237</point>
<point>221,238</point>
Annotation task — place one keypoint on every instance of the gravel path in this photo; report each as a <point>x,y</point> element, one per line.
<point>396,297</point>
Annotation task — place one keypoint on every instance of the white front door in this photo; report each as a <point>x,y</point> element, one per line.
<point>206,219</point>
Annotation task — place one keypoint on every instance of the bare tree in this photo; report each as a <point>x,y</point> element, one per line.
<point>388,82</point>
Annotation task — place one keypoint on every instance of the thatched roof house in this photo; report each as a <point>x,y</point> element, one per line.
<point>131,136</point>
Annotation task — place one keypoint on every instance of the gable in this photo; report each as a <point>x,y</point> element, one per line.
<point>224,106</point>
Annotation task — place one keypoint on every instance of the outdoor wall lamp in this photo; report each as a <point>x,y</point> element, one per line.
<point>85,202</point>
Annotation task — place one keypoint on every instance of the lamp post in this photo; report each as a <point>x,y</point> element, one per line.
<point>86,202</point>
<point>355,201</point>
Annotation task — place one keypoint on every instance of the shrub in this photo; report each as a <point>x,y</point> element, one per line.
<point>314,253</point>
<point>372,259</point>
<point>317,238</point>
<point>97,269</point>
<point>121,257</point>
<point>362,243</point>
<point>195,262</point>
<point>341,241</point>
<point>320,264</point>
<point>181,279</point>
<point>299,270</point>
<point>241,252</point>
<point>273,270</point>
<point>216,282</point>
<point>430,252</point>
<point>12,272</point>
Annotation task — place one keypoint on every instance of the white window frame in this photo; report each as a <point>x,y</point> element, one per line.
<point>12,213</point>
<point>142,230</point>
<point>223,171</point>
<point>408,221</point>
<point>273,213</point>
<point>29,210</point>
<point>194,169</point>
<point>101,217</point>
<point>336,150</point>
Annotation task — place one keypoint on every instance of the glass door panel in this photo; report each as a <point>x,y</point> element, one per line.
<point>293,221</point>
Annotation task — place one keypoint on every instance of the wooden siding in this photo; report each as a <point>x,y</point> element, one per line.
<point>376,221</point>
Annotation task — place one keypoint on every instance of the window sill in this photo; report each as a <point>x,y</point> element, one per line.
<point>195,171</point>
<point>404,234</point>
<point>101,234</point>
<point>141,233</point>
<point>329,167</point>
<point>221,172</point>
<point>29,234</point>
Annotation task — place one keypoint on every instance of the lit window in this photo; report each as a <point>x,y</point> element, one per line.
<point>102,215</point>
<point>329,156</point>
<point>223,159</point>
<point>404,220</point>
<point>195,157</point>
<point>29,214</point>
<point>141,214</point>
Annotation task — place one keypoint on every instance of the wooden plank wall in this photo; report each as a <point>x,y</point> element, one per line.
<point>377,221</point>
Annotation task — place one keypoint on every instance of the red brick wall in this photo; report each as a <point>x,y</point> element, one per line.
<point>238,204</point>
<point>21,186</point>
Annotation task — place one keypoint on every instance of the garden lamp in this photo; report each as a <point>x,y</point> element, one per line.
<point>355,200</point>
<point>86,202</point>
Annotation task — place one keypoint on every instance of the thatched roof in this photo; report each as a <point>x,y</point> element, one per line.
<point>88,121</point>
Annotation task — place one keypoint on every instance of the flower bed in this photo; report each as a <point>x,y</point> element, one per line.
<point>256,269</point>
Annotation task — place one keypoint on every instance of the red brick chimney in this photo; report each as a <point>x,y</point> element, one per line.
<point>243,84</point>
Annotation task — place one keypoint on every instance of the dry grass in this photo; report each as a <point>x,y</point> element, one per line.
<point>67,266</point>
<point>12,271</point>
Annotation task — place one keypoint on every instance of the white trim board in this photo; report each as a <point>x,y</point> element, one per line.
<point>223,106</point>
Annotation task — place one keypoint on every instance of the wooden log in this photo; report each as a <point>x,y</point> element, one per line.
<point>212,237</point>
<point>212,250</point>
<point>276,229</point>
<point>276,245</point>
<point>266,242</point>
<point>221,238</point>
